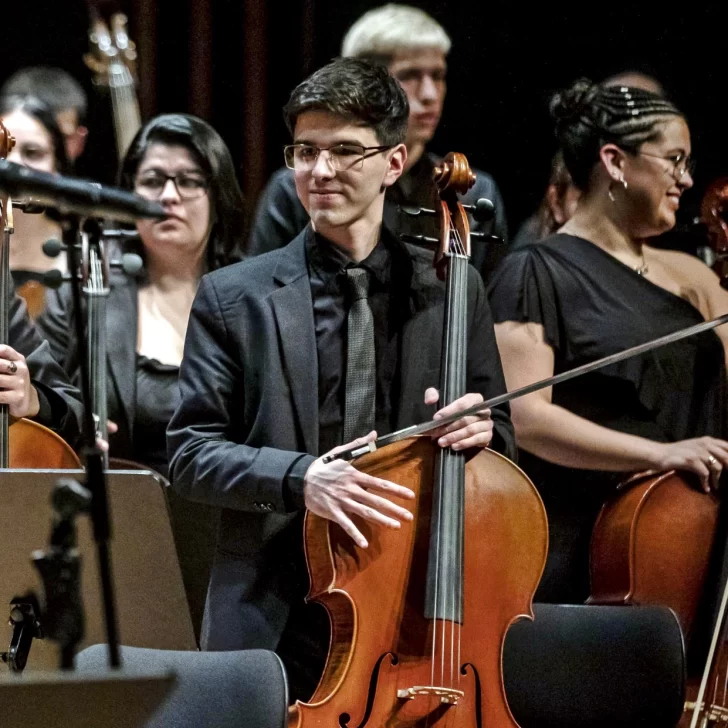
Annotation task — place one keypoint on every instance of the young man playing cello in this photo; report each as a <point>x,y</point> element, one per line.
<point>271,379</point>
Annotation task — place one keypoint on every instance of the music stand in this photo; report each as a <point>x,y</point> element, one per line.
<point>75,700</point>
<point>152,605</point>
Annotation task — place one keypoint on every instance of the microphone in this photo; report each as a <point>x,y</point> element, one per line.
<point>80,197</point>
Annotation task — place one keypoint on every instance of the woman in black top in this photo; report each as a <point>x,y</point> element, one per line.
<point>596,288</point>
<point>181,162</point>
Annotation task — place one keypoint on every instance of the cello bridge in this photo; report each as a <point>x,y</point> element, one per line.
<point>714,714</point>
<point>448,696</point>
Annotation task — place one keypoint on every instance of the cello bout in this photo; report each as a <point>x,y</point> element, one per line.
<point>380,670</point>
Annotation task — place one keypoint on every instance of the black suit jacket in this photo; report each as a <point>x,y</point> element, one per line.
<point>280,216</point>
<point>249,412</point>
<point>60,401</point>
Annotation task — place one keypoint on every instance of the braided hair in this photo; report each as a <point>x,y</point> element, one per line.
<point>587,116</point>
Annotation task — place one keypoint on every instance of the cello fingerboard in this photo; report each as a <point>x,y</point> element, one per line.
<point>444,591</point>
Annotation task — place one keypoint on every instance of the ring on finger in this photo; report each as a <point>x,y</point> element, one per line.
<point>713,462</point>
<point>12,367</point>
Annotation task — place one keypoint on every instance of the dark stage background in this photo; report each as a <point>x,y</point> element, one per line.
<point>234,62</point>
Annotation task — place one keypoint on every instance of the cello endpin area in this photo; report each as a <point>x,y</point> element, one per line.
<point>448,696</point>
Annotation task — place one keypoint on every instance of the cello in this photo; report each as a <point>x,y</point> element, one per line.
<point>27,444</point>
<point>419,618</point>
<point>654,541</point>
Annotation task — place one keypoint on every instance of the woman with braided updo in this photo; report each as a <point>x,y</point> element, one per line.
<point>594,288</point>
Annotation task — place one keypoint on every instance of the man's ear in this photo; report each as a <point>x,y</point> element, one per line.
<point>397,161</point>
<point>613,159</point>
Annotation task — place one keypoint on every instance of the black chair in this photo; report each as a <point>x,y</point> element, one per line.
<point>596,667</point>
<point>245,689</point>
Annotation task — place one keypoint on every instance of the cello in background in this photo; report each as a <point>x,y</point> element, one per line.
<point>420,616</point>
<point>112,59</point>
<point>654,541</point>
<point>26,444</point>
<point>714,215</point>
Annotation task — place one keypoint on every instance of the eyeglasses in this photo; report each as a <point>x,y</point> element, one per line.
<point>302,157</point>
<point>681,163</point>
<point>189,185</point>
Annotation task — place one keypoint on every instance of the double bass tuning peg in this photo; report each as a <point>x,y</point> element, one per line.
<point>482,211</point>
<point>130,264</point>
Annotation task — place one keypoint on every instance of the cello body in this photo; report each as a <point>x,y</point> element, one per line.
<point>34,446</point>
<point>390,665</point>
<point>652,545</point>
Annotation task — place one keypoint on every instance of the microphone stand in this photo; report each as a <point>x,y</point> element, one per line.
<point>91,453</point>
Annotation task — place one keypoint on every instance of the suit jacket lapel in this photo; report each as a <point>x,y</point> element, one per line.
<point>293,309</point>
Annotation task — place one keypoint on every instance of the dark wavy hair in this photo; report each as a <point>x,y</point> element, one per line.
<point>42,113</point>
<point>357,90</point>
<point>587,116</point>
<point>211,153</point>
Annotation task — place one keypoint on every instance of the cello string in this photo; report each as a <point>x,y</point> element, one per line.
<point>462,271</point>
<point>456,275</point>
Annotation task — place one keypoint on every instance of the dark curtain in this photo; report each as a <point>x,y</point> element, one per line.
<point>234,62</point>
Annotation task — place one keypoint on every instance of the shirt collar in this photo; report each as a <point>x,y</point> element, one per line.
<point>331,261</point>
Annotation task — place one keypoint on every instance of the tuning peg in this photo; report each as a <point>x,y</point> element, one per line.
<point>53,247</point>
<point>54,278</point>
<point>131,264</point>
<point>483,210</point>
<point>419,239</point>
<point>29,206</point>
<point>414,210</point>
<point>486,238</point>
<point>120,234</point>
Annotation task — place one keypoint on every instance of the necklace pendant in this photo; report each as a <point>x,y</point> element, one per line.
<point>642,270</point>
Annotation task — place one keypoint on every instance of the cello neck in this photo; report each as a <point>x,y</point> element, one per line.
<point>7,142</point>
<point>444,590</point>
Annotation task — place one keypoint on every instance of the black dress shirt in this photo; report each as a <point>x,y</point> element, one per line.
<point>327,265</point>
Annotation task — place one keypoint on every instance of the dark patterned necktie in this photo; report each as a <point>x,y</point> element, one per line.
<point>360,363</point>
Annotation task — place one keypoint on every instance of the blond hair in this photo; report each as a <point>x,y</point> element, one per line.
<point>392,28</point>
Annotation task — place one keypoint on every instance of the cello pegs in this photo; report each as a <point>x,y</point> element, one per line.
<point>482,211</point>
<point>414,210</point>
<point>131,264</point>
<point>53,247</point>
<point>54,278</point>
<point>120,234</point>
<point>486,238</point>
<point>418,239</point>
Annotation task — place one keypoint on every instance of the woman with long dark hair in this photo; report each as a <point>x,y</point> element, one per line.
<point>181,162</point>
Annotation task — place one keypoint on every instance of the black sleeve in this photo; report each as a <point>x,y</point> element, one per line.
<point>523,290</point>
<point>207,464</point>
<point>60,402</point>
<point>56,326</point>
<point>279,216</point>
<point>485,372</point>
